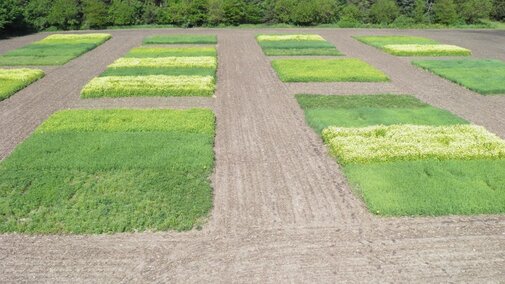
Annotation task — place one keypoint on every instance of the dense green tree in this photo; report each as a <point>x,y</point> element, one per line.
<point>471,11</point>
<point>10,13</point>
<point>64,14</point>
<point>95,13</point>
<point>445,12</point>
<point>498,12</point>
<point>407,7</point>
<point>351,14</point>
<point>124,12</point>
<point>384,12</point>
<point>36,12</point>
<point>215,14</point>
<point>419,13</point>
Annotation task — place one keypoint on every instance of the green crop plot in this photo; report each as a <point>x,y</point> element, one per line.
<point>13,80</point>
<point>451,167</point>
<point>153,52</point>
<point>289,45</point>
<point>327,70</point>
<point>181,39</point>
<point>55,49</point>
<point>106,171</point>
<point>158,71</point>
<point>413,46</point>
<point>364,110</point>
<point>486,77</point>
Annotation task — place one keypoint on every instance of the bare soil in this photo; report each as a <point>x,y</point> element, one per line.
<point>282,208</point>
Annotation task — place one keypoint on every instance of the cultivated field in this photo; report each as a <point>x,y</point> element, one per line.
<point>230,155</point>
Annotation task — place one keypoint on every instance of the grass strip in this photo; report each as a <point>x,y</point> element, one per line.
<point>327,70</point>
<point>166,62</point>
<point>484,76</point>
<point>412,142</point>
<point>290,45</point>
<point>13,80</point>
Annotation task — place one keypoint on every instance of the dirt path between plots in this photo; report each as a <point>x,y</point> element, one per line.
<point>282,209</point>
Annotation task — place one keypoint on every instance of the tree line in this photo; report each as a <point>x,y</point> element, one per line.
<point>37,15</point>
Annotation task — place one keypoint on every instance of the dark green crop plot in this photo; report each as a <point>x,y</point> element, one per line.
<point>53,50</point>
<point>366,110</point>
<point>486,77</point>
<point>105,171</point>
<point>430,187</point>
<point>181,39</point>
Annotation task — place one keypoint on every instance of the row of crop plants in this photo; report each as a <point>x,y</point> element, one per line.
<point>400,155</point>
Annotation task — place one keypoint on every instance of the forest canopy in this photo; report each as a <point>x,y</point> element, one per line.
<point>38,15</point>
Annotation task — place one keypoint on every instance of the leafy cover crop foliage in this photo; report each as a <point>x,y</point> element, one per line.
<point>327,70</point>
<point>13,80</point>
<point>106,171</point>
<point>412,142</point>
<point>158,71</point>
<point>150,85</point>
<point>55,49</point>
<point>407,169</point>
<point>413,46</point>
<point>363,110</point>
<point>181,39</point>
<point>484,76</point>
<point>298,44</point>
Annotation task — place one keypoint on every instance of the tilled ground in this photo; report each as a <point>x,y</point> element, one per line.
<point>282,208</point>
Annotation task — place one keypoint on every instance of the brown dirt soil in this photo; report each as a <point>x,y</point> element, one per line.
<point>282,208</point>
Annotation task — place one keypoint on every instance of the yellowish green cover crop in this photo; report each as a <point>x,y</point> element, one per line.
<point>151,85</point>
<point>148,51</point>
<point>426,50</point>
<point>412,142</point>
<point>55,49</point>
<point>413,46</point>
<point>108,171</point>
<point>166,62</point>
<point>484,76</point>
<point>296,44</point>
<point>327,70</point>
<point>13,80</point>
<point>181,39</point>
